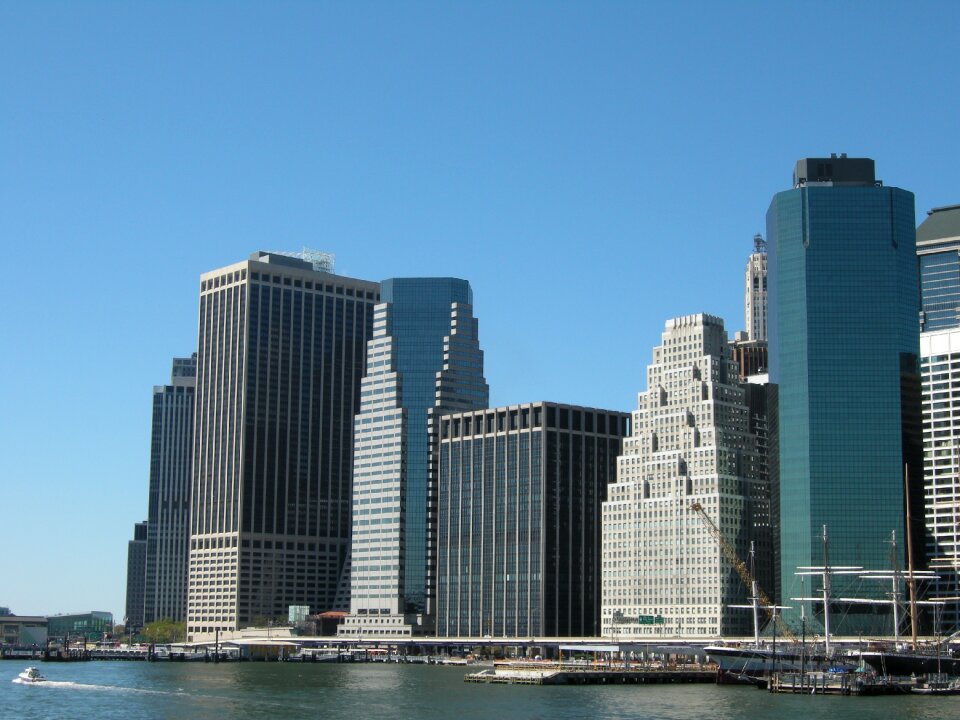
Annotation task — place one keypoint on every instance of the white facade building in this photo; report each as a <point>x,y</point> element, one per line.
<point>663,573</point>
<point>940,374</point>
<point>755,291</point>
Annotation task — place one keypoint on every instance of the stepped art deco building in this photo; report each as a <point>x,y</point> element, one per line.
<point>282,350</point>
<point>168,506</point>
<point>844,347</point>
<point>664,574</point>
<point>518,515</point>
<point>424,359</point>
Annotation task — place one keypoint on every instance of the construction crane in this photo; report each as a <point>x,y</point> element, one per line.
<point>728,552</point>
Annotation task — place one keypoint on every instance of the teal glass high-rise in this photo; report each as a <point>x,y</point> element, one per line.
<point>844,346</point>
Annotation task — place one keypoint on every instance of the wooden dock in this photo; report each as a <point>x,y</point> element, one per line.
<point>827,683</point>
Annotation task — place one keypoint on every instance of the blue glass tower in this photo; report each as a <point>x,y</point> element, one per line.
<point>424,358</point>
<point>844,347</point>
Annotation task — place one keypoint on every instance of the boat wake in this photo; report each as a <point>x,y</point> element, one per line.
<point>102,688</point>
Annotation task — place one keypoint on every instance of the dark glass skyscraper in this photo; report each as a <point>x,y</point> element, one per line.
<point>520,491</point>
<point>281,353</point>
<point>168,513</point>
<point>136,573</point>
<point>844,347</point>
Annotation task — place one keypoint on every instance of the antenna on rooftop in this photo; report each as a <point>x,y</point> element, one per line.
<point>321,261</point>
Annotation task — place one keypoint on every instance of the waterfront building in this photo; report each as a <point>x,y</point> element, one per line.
<point>168,506</point>
<point>22,630</point>
<point>136,577</point>
<point>693,440</point>
<point>844,347</point>
<point>89,626</point>
<point>281,352</point>
<point>423,330</point>
<point>755,292</point>
<point>518,517</point>
<point>938,248</point>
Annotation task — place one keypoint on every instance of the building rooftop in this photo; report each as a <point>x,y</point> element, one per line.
<point>942,223</point>
<point>836,170</point>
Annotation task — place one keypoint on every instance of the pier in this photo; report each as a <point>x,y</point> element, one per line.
<point>827,683</point>
<point>522,673</point>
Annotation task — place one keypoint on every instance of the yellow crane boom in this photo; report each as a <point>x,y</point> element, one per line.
<point>730,554</point>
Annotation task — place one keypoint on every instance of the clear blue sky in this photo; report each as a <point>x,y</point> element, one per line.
<point>592,168</point>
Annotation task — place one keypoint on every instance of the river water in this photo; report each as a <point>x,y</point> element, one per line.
<point>132,690</point>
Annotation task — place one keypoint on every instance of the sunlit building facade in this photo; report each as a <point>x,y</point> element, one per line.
<point>281,352</point>
<point>692,441</point>
<point>423,330</point>
<point>938,248</point>
<point>755,292</point>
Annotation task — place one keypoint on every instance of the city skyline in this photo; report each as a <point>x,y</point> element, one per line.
<point>586,149</point>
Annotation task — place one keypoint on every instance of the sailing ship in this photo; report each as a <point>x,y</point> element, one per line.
<point>793,655</point>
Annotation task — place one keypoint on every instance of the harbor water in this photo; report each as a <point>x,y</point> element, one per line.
<point>375,691</point>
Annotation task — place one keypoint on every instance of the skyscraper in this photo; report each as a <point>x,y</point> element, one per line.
<point>691,442</point>
<point>518,511</point>
<point>938,247</point>
<point>281,352</point>
<point>168,512</point>
<point>749,348</point>
<point>844,351</point>
<point>755,291</point>
<point>424,336</point>
<point>136,574</point>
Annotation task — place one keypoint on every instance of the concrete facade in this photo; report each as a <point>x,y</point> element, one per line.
<point>691,441</point>
<point>755,292</point>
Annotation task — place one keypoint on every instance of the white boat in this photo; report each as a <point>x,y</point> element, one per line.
<point>31,675</point>
<point>317,655</point>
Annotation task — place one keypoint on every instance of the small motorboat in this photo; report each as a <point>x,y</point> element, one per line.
<point>31,675</point>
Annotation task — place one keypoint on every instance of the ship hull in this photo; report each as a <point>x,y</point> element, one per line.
<point>906,663</point>
<point>756,661</point>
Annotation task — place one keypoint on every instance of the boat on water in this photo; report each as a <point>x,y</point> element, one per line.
<point>317,655</point>
<point>760,660</point>
<point>922,661</point>
<point>31,675</point>
<point>938,685</point>
<point>792,654</point>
